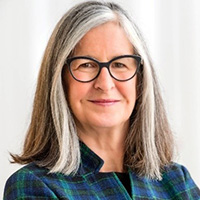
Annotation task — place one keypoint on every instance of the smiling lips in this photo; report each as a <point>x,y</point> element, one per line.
<point>104,102</point>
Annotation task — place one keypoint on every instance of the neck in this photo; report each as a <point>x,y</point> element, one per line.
<point>108,144</point>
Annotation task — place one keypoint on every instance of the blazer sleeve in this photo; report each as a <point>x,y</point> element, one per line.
<point>24,184</point>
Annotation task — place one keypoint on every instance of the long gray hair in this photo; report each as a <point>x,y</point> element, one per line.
<point>52,139</point>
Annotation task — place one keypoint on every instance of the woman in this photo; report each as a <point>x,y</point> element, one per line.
<point>98,129</point>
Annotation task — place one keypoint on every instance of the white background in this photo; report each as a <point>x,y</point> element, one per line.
<point>171,29</point>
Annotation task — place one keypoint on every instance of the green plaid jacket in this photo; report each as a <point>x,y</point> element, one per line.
<point>33,182</point>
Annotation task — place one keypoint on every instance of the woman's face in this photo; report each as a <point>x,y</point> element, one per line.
<point>104,102</point>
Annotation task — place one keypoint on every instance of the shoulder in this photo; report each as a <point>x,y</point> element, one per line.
<point>28,173</point>
<point>30,170</point>
<point>177,171</point>
<point>178,178</point>
<point>28,182</point>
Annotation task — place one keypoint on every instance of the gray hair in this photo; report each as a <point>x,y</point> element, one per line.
<point>52,139</point>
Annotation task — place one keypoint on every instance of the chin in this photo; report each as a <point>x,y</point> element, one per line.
<point>108,123</point>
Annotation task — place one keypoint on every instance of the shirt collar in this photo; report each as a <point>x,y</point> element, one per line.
<point>90,162</point>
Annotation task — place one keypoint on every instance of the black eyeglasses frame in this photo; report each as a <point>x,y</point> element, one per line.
<point>104,64</point>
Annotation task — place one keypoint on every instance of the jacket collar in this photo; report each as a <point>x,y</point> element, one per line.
<point>90,162</point>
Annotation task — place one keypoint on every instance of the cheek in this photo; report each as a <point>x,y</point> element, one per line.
<point>76,92</point>
<point>128,90</point>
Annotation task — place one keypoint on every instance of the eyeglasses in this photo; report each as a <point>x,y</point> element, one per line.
<point>85,69</point>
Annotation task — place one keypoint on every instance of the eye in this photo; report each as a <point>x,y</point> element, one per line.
<point>118,65</point>
<point>87,65</point>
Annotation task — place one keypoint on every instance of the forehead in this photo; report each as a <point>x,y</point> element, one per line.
<point>108,38</point>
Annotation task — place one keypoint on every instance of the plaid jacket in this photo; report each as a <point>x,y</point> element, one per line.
<point>33,182</point>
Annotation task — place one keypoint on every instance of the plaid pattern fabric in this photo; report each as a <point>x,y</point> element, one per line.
<point>33,182</point>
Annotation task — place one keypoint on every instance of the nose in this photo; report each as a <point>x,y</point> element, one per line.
<point>104,81</point>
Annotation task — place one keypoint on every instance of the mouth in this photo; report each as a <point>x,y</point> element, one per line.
<point>104,102</point>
